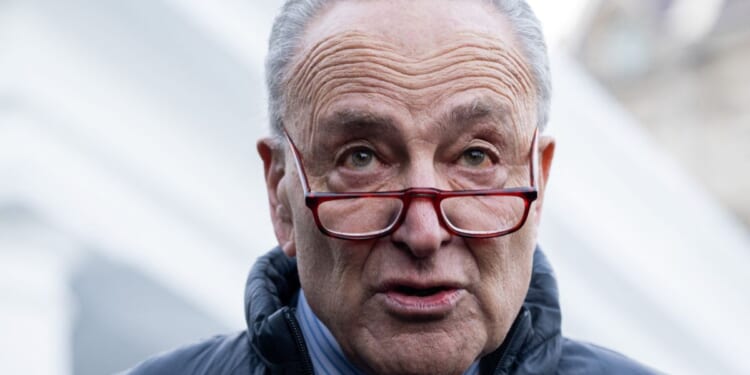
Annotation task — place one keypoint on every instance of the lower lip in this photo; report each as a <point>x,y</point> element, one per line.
<point>433,306</point>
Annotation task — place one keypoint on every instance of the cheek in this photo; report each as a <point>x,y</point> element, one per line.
<point>504,266</point>
<point>505,263</point>
<point>330,273</point>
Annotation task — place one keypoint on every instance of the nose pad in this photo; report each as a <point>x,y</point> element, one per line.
<point>421,231</point>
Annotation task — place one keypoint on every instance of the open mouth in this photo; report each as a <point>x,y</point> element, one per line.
<point>419,292</point>
<point>414,302</point>
<point>425,301</point>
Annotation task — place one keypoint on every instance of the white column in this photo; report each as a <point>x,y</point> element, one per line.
<point>35,301</point>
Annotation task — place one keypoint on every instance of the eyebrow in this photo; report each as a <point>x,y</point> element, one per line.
<point>355,121</point>
<point>470,113</point>
<point>366,123</point>
<point>482,115</point>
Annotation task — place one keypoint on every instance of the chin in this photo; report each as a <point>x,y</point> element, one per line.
<point>420,348</point>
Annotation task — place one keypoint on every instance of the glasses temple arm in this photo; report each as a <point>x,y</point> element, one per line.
<point>534,159</point>
<point>297,163</point>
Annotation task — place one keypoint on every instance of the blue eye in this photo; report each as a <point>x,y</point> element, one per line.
<point>360,158</point>
<point>474,157</point>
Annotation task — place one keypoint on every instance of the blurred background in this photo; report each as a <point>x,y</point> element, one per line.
<point>132,203</point>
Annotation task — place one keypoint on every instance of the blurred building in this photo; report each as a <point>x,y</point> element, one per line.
<point>132,203</point>
<point>680,67</point>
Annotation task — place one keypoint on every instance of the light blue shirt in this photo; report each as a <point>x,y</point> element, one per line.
<point>325,353</point>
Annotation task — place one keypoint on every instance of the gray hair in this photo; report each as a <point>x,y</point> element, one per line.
<point>290,24</point>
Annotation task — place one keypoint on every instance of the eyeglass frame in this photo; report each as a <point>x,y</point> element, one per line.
<point>314,199</point>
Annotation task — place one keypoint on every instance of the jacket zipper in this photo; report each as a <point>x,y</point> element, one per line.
<point>293,325</point>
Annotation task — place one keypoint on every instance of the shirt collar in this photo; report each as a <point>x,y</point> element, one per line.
<point>325,353</point>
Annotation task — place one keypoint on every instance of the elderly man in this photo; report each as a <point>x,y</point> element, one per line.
<point>406,177</point>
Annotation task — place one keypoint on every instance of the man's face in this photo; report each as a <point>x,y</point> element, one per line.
<point>386,95</point>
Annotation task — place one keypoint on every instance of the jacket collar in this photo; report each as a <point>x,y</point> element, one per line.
<point>532,346</point>
<point>272,330</point>
<point>534,343</point>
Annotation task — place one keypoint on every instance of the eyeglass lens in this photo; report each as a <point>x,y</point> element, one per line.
<point>476,214</point>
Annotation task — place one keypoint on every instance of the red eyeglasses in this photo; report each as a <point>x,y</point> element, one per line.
<point>482,213</point>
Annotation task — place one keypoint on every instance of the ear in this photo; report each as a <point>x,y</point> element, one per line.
<point>546,154</point>
<point>274,168</point>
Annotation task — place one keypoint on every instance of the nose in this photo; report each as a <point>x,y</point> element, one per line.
<point>421,232</point>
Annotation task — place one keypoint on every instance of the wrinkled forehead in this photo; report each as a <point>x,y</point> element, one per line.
<point>412,53</point>
<point>416,27</point>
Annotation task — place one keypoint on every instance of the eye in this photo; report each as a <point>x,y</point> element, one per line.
<point>359,158</point>
<point>475,157</point>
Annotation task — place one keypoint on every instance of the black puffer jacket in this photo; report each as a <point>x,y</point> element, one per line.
<point>273,344</point>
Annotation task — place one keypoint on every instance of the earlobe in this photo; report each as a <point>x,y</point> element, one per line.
<point>288,247</point>
<point>275,176</point>
<point>284,229</point>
